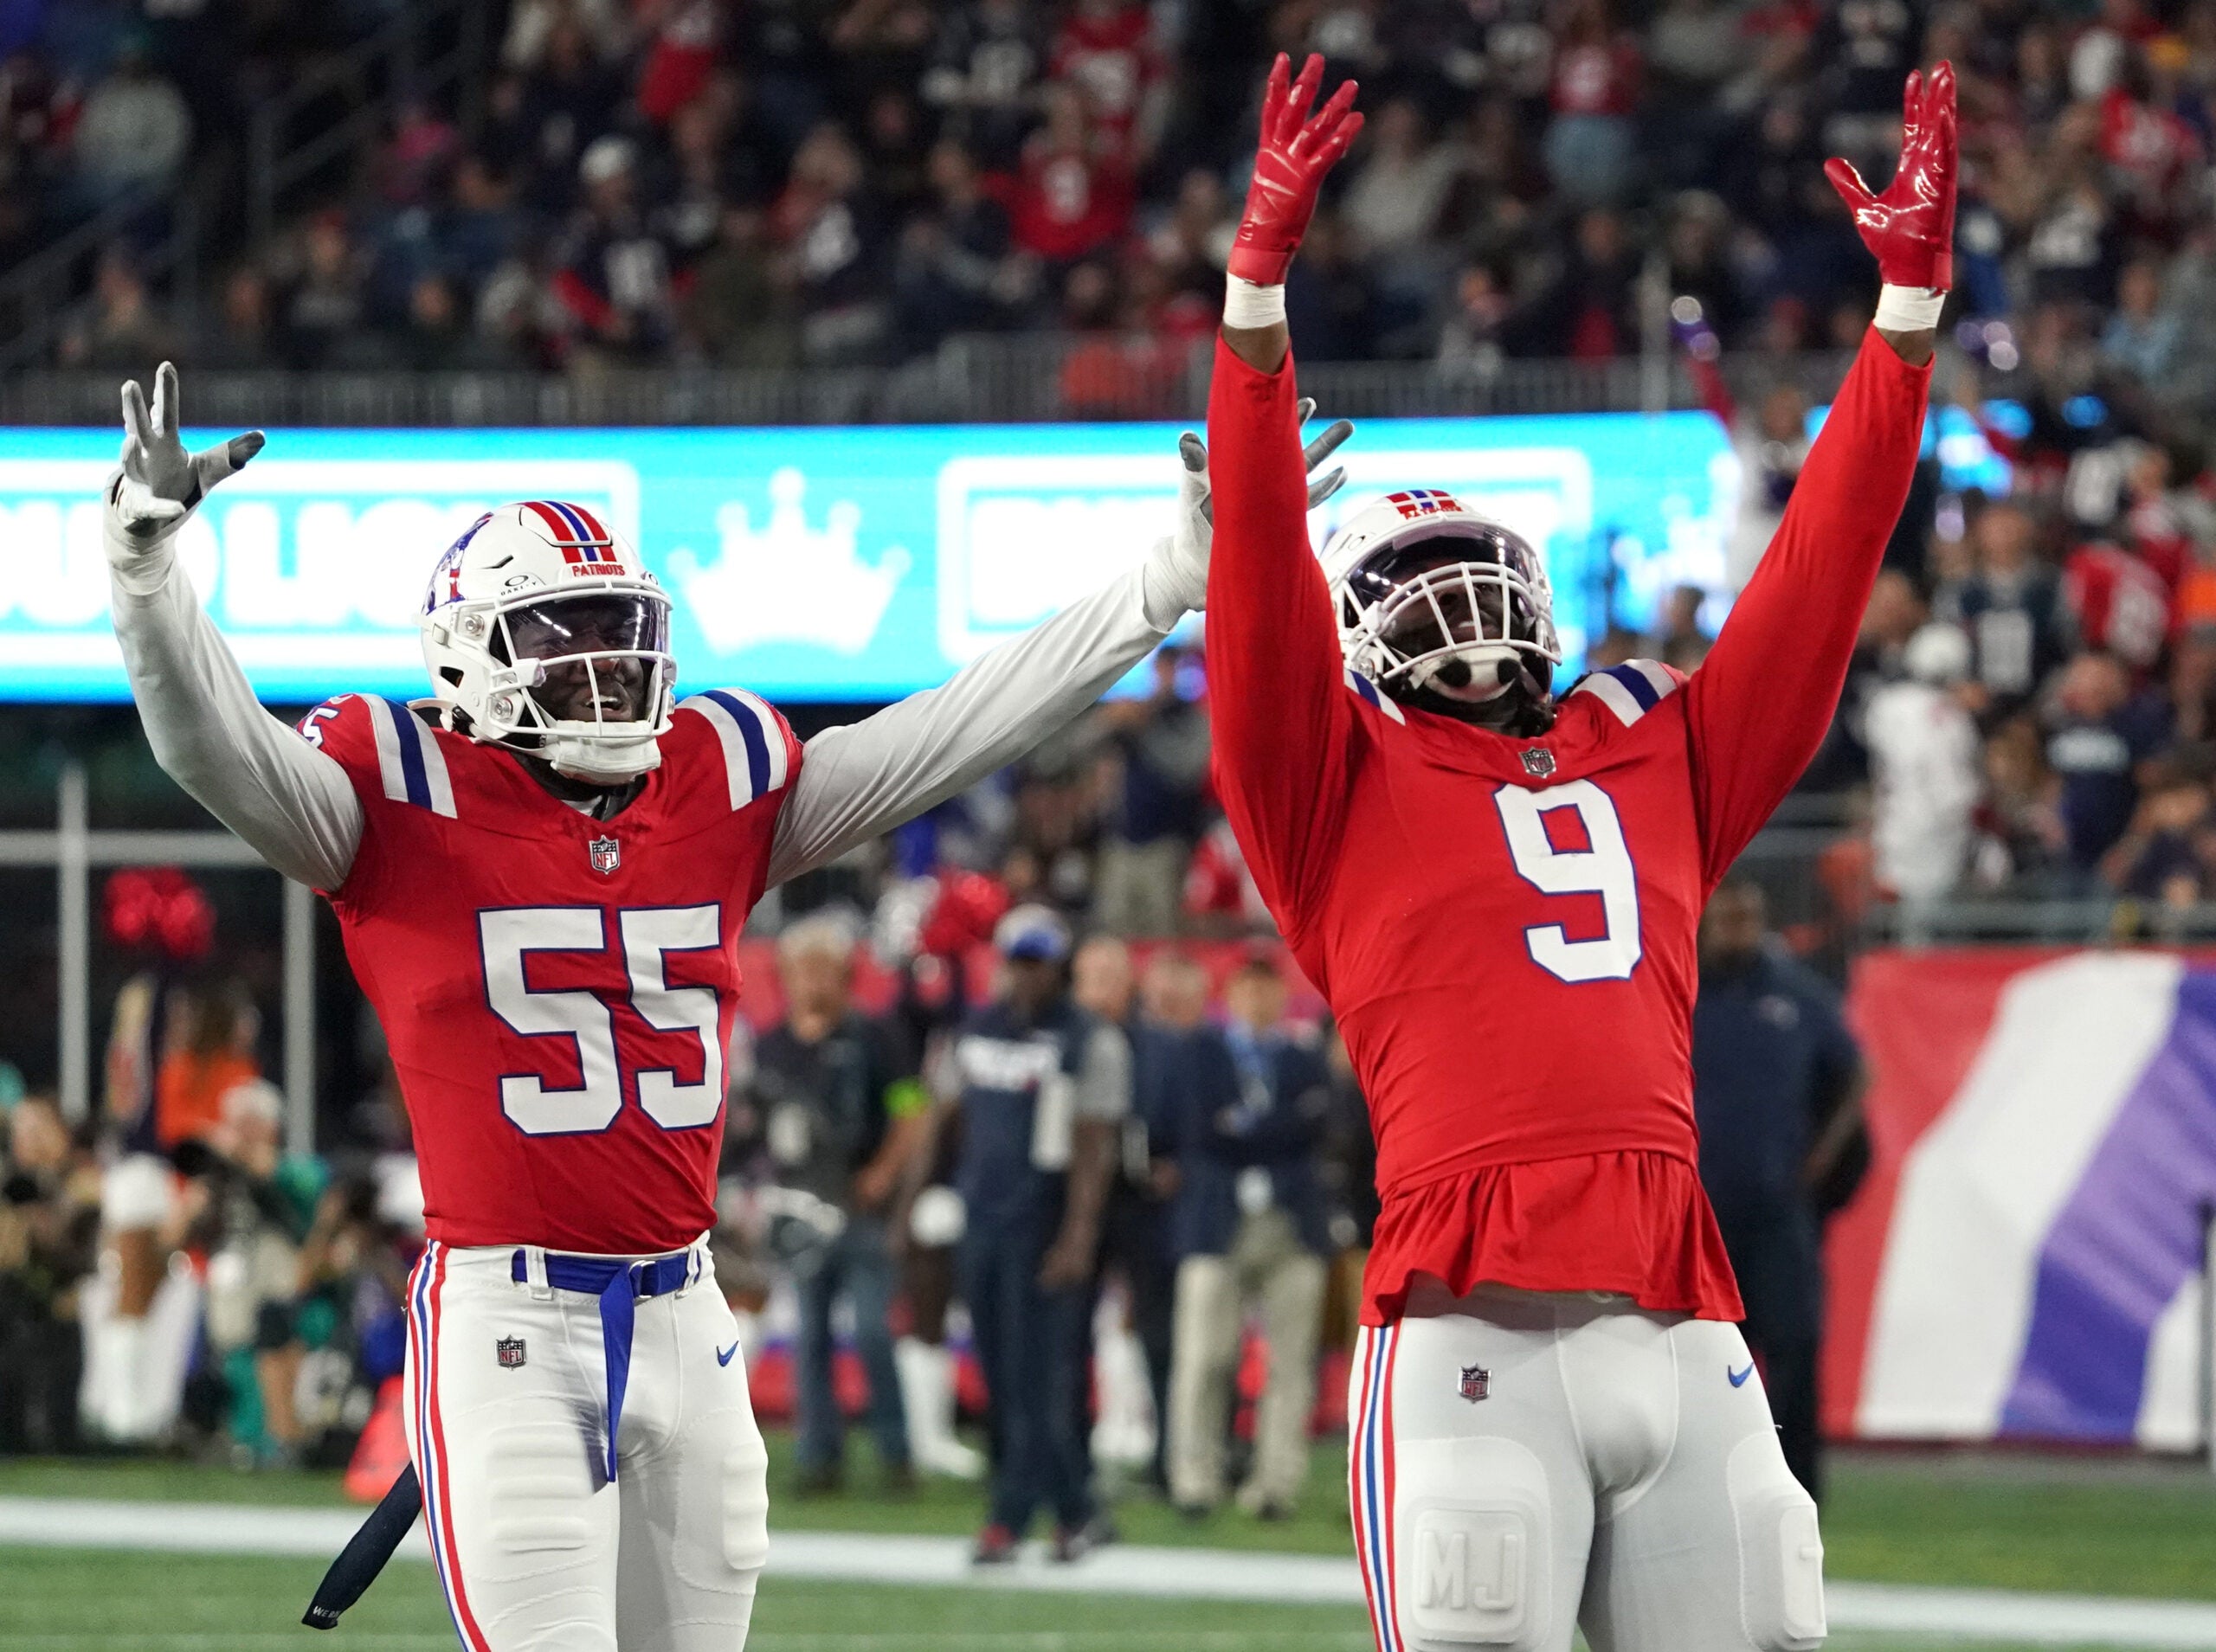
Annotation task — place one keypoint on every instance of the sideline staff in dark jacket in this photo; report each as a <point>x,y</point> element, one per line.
<point>1251,1224</point>
<point>1044,1087</point>
<point>1777,1086</point>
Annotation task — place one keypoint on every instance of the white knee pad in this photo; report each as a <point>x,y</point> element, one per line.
<point>1474,1544</point>
<point>1780,1551</point>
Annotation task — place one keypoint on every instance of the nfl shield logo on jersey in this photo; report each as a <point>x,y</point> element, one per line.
<point>1539,763</point>
<point>508,1350</point>
<point>1477,1382</point>
<point>607,854</point>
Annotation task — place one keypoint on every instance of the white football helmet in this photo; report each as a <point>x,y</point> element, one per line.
<point>544,633</point>
<point>1431,596</point>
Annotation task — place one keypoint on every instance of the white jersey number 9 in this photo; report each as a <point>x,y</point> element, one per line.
<point>1601,868</point>
<point>508,935</point>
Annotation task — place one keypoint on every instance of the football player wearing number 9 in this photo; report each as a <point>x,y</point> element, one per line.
<point>1554,1416</point>
<point>541,872</point>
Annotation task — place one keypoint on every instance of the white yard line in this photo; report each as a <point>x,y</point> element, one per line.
<point>1124,1569</point>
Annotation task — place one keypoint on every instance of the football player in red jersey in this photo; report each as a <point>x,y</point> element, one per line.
<point>1554,1416</point>
<point>542,871</point>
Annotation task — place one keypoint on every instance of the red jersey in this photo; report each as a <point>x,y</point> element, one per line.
<point>2122,605</point>
<point>1506,927</point>
<point>1068,204</point>
<point>1115,59</point>
<point>558,992</point>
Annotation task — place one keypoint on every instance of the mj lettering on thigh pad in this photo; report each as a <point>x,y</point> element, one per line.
<point>1473,1543</point>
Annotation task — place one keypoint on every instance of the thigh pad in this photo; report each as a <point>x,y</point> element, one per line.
<point>1780,1550</point>
<point>1474,1544</point>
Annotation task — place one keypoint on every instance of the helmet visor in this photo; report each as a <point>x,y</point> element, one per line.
<point>601,657</point>
<point>591,622</point>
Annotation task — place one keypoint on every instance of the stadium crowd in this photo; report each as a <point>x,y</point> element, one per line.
<point>794,183</point>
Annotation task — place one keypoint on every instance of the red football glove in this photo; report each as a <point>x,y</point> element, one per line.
<point>1297,151</point>
<point>1910,227</point>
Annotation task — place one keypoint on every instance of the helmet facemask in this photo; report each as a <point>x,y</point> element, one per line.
<point>1458,620</point>
<point>582,680</point>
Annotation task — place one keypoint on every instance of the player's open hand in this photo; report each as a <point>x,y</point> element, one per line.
<point>1297,151</point>
<point>1910,227</point>
<point>1179,565</point>
<point>160,482</point>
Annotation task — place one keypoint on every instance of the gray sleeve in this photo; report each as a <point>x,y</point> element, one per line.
<point>1103,1077</point>
<point>867,777</point>
<point>292,804</point>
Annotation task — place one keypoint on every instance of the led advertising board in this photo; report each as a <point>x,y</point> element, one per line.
<point>848,564</point>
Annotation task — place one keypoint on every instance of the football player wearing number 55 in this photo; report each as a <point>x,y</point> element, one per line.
<point>542,869</point>
<point>1555,1419</point>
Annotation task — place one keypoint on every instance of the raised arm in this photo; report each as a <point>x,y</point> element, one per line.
<point>1278,704</point>
<point>1760,705</point>
<point>291,803</point>
<point>865,778</point>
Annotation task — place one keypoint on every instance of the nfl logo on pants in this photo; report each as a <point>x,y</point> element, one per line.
<point>1477,1382</point>
<point>606,854</point>
<point>508,1350</point>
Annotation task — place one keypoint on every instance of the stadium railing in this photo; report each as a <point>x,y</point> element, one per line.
<point>995,378</point>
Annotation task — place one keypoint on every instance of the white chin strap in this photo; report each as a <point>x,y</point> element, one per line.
<point>1483,660</point>
<point>601,760</point>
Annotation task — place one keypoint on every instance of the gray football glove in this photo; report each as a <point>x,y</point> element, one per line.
<point>1182,559</point>
<point>159,483</point>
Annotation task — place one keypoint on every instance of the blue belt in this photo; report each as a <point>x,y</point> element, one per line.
<point>619,1285</point>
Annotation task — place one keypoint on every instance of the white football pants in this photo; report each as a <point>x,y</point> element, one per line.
<point>506,1406</point>
<point>1520,1464</point>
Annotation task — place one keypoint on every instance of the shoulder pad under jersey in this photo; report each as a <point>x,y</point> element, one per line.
<point>1632,689</point>
<point>385,749</point>
<point>756,741</point>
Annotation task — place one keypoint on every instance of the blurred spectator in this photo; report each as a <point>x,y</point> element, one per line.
<point>1777,1087</point>
<point>2009,603</point>
<point>1925,763</point>
<point>1074,191</point>
<point>953,272</point>
<point>324,309</point>
<point>1251,1228</point>
<point>246,1207</point>
<point>1043,1089</point>
<point>1470,340</point>
<point>839,1118</point>
<point>1595,90</point>
<point>1679,638</point>
<point>1587,309</point>
<point>1393,202</point>
<point>737,311</point>
<point>243,337</point>
<point>49,1233</point>
<point>2099,734</point>
<point>532,24</point>
<point>133,130</point>
<point>123,332</point>
<point>1160,748</point>
<point>1107,49</point>
<point>612,271</point>
<point>1136,1242</point>
<point>832,243</point>
<point>986,67</point>
<point>213,1055</point>
<point>2140,337</point>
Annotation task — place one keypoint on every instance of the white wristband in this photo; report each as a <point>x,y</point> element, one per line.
<point>1908,309</point>
<point>1245,304</point>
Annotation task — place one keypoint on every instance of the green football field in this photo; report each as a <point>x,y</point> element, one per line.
<point>2127,1527</point>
